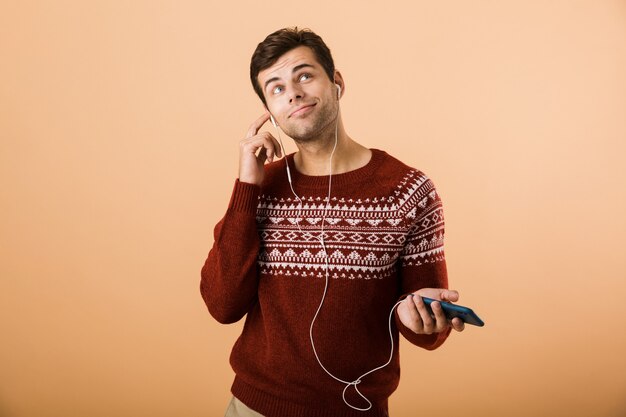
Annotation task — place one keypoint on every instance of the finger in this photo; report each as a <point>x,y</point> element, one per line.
<point>256,125</point>
<point>458,324</point>
<point>427,320</point>
<point>279,149</point>
<point>440,317</point>
<point>253,131</point>
<point>262,156</point>
<point>272,145</point>
<point>450,295</point>
<point>434,293</point>
<point>262,140</point>
<point>415,319</point>
<point>268,150</point>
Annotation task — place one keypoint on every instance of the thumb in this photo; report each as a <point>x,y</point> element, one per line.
<point>450,295</point>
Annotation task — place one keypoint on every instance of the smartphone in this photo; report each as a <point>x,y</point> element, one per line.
<point>452,310</point>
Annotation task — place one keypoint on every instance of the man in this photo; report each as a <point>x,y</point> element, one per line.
<point>317,248</point>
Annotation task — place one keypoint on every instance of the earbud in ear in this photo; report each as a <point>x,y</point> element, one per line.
<point>273,121</point>
<point>338,91</point>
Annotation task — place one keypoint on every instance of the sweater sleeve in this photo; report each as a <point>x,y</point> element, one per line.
<point>229,279</point>
<point>422,261</point>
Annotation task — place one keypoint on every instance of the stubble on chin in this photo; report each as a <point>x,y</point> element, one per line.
<point>321,126</point>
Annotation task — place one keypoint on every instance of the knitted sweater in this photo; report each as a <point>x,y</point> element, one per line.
<point>383,231</point>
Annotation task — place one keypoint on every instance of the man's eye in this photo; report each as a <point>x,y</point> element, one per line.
<point>305,77</point>
<point>277,90</point>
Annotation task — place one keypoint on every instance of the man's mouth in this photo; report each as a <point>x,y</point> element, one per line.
<point>302,110</point>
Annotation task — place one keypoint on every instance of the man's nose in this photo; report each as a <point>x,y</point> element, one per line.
<point>295,94</point>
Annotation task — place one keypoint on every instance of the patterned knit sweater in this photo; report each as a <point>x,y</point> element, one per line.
<point>384,232</point>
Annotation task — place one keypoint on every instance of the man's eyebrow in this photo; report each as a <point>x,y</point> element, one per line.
<point>295,69</point>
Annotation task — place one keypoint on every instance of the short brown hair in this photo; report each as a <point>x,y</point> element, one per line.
<point>282,41</point>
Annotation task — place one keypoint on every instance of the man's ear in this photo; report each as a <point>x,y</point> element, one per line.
<point>272,120</point>
<point>339,81</point>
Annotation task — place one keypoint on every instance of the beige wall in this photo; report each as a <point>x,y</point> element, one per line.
<point>119,125</point>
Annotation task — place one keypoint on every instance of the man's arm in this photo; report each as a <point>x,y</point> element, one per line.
<point>229,277</point>
<point>423,272</point>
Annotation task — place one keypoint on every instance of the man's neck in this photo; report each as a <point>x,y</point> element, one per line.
<point>313,156</point>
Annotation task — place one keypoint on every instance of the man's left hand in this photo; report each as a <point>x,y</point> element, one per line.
<point>414,315</point>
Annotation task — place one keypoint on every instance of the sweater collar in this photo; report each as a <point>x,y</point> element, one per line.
<point>321,181</point>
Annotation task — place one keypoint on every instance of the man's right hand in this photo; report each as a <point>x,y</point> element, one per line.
<point>255,150</point>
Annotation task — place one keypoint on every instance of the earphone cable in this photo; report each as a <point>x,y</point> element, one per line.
<point>357,381</point>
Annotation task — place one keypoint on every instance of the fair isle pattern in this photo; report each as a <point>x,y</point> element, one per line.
<point>365,238</point>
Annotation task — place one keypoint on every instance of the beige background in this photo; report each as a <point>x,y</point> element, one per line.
<point>119,125</point>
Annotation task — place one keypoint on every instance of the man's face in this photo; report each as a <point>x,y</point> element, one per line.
<point>299,94</point>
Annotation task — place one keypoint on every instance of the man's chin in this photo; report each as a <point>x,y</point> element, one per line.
<point>303,135</point>
<point>307,133</point>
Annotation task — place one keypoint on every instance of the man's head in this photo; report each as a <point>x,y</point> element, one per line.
<point>282,41</point>
<point>293,73</point>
